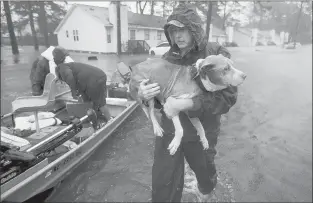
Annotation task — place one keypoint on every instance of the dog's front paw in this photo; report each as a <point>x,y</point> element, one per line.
<point>175,142</point>
<point>204,142</point>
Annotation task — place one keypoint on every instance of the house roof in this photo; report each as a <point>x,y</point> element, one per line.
<point>67,15</point>
<point>102,14</point>
<point>146,20</point>
<point>135,19</point>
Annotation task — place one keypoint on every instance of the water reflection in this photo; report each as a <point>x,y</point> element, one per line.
<point>16,58</point>
<point>107,63</point>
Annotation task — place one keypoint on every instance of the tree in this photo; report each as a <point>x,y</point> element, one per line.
<point>296,32</point>
<point>283,17</point>
<point>42,21</point>
<point>21,24</point>
<point>232,13</point>
<point>141,9</point>
<point>4,27</point>
<point>54,14</point>
<point>262,10</point>
<point>168,7</point>
<point>209,17</point>
<point>224,14</point>
<point>152,4</point>
<point>7,11</point>
<point>25,11</point>
<point>163,8</point>
<point>32,25</point>
<point>202,8</point>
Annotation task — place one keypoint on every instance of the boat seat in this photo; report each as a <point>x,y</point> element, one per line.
<point>37,103</point>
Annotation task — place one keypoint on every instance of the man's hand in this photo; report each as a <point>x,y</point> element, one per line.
<point>75,96</point>
<point>80,99</point>
<point>173,106</point>
<point>147,92</point>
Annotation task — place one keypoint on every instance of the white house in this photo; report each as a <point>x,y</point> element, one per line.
<point>94,29</point>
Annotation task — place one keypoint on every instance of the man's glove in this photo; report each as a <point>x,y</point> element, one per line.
<point>80,99</point>
<point>76,95</point>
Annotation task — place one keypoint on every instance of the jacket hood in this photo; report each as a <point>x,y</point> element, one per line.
<point>185,14</point>
<point>59,54</point>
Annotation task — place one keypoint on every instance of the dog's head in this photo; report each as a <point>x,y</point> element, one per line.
<point>217,72</point>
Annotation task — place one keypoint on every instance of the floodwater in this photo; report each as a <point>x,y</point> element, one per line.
<point>264,149</point>
<point>15,70</point>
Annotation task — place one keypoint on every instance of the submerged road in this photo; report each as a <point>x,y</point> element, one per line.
<point>264,150</point>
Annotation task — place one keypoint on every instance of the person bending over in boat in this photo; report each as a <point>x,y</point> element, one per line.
<point>40,69</point>
<point>87,83</point>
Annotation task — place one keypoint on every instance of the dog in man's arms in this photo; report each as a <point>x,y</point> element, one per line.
<point>216,73</point>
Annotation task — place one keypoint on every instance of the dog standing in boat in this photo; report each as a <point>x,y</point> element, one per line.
<point>216,73</point>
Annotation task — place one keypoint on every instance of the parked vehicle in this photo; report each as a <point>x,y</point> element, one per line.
<point>160,49</point>
<point>271,43</point>
<point>291,45</point>
<point>230,44</point>
<point>138,47</point>
<point>259,44</point>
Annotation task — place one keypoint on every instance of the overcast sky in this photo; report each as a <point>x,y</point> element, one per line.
<point>132,5</point>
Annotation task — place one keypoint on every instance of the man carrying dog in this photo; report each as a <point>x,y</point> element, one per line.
<point>39,71</point>
<point>187,39</point>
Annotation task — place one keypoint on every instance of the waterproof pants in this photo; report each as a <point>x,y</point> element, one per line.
<point>96,92</point>
<point>168,170</point>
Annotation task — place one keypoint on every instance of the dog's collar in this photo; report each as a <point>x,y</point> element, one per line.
<point>197,71</point>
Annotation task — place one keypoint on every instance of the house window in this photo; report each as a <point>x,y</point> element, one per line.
<point>159,35</point>
<point>75,35</point>
<point>132,34</point>
<point>67,33</point>
<point>147,35</point>
<point>108,35</point>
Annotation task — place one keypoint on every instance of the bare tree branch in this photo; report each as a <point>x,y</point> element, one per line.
<point>144,6</point>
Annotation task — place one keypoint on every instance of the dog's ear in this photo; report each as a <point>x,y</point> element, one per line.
<point>205,72</point>
<point>199,63</point>
<point>230,62</point>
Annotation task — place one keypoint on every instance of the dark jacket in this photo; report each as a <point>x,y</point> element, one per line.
<point>209,105</point>
<point>38,73</point>
<point>80,77</point>
<point>40,69</point>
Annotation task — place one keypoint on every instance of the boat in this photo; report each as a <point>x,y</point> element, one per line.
<point>43,156</point>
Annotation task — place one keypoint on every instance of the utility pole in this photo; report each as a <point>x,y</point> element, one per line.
<point>208,19</point>
<point>118,14</point>
<point>299,16</point>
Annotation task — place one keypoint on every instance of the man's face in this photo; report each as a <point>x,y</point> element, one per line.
<point>181,36</point>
